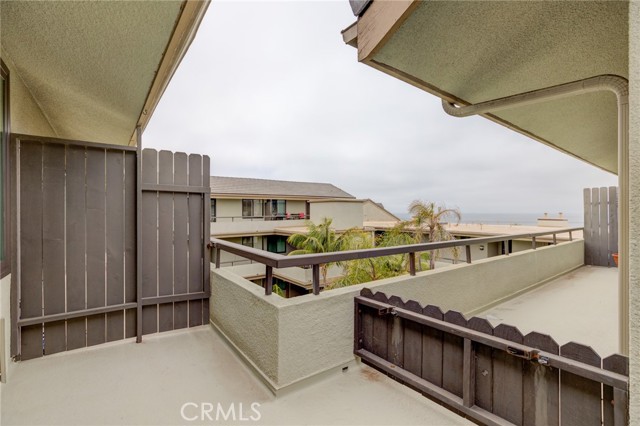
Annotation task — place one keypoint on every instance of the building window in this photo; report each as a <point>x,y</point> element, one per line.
<point>278,207</point>
<point>213,210</point>
<point>277,244</point>
<point>251,208</point>
<point>247,208</point>
<point>247,241</point>
<point>4,171</point>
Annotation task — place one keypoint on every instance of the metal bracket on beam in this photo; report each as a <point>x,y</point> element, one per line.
<point>386,311</point>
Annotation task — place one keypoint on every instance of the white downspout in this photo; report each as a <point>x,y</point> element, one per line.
<point>620,87</point>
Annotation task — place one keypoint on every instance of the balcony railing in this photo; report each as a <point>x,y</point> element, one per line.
<point>286,216</point>
<point>273,260</point>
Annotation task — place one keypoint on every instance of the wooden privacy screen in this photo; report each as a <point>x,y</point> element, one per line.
<point>495,375</point>
<point>75,276</point>
<point>600,225</point>
<point>174,269</point>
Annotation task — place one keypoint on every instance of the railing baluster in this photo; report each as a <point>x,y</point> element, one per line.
<point>533,243</point>
<point>570,236</point>
<point>268,286</point>
<point>467,250</point>
<point>217,257</point>
<point>316,279</point>
<point>412,263</point>
<point>555,241</point>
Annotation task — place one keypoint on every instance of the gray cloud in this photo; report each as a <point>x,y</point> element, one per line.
<point>269,90</point>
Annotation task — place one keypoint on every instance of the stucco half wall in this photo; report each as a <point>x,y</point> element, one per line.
<point>289,340</point>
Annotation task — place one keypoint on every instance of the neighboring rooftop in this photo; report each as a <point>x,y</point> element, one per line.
<point>249,187</point>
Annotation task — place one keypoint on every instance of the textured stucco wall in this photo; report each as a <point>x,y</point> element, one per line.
<point>239,309</point>
<point>26,115</point>
<point>345,214</point>
<point>634,214</point>
<point>315,333</point>
<point>5,312</point>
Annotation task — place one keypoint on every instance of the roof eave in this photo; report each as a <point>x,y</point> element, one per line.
<point>183,34</point>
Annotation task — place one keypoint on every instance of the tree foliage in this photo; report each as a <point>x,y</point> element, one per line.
<point>321,238</point>
<point>427,216</point>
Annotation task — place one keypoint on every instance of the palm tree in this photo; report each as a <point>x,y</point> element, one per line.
<point>427,215</point>
<point>376,268</point>
<point>320,238</point>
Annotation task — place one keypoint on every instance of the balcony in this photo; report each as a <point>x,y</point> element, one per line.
<point>229,226</point>
<point>299,349</point>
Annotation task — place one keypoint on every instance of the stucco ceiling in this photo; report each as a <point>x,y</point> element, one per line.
<point>88,64</point>
<point>477,51</point>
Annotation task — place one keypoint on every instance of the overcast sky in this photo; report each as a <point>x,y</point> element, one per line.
<point>269,90</point>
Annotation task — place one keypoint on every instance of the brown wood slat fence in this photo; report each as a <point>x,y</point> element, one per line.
<point>495,376</point>
<point>600,225</point>
<point>76,276</point>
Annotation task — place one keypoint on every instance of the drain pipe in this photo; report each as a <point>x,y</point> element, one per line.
<point>620,87</point>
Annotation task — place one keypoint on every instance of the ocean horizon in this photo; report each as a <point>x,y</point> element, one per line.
<point>575,219</point>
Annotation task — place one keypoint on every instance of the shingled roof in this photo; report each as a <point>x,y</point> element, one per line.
<point>234,186</point>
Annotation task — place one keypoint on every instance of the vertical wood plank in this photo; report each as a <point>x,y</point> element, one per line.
<point>580,397</point>
<point>613,221</point>
<point>587,233</point>
<point>367,322</point>
<point>595,225</point>
<point>483,371</point>
<point>540,383</point>
<point>130,227</point>
<point>96,218</point>
<point>507,377</point>
<point>180,244</point>
<point>396,335</point>
<point>31,246</point>
<point>607,260</point>
<point>53,273</point>
<point>13,226</point>
<point>380,330</point>
<point>31,342</point>
<point>195,243</point>
<point>76,245</point>
<point>206,181</point>
<point>615,402</point>
<point>115,224</point>
<point>412,349</point>
<point>432,348</point>
<point>165,240</point>
<point>139,211</point>
<point>149,237</point>
<point>452,358</point>
<point>469,360</point>
<point>130,323</point>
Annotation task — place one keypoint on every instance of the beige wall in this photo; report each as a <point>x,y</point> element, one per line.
<point>311,334</point>
<point>345,214</point>
<point>5,313</point>
<point>634,216</point>
<point>26,115</point>
<point>228,208</point>
<point>373,213</point>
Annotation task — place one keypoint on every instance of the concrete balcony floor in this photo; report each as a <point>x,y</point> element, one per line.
<point>581,306</point>
<point>148,383</point>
